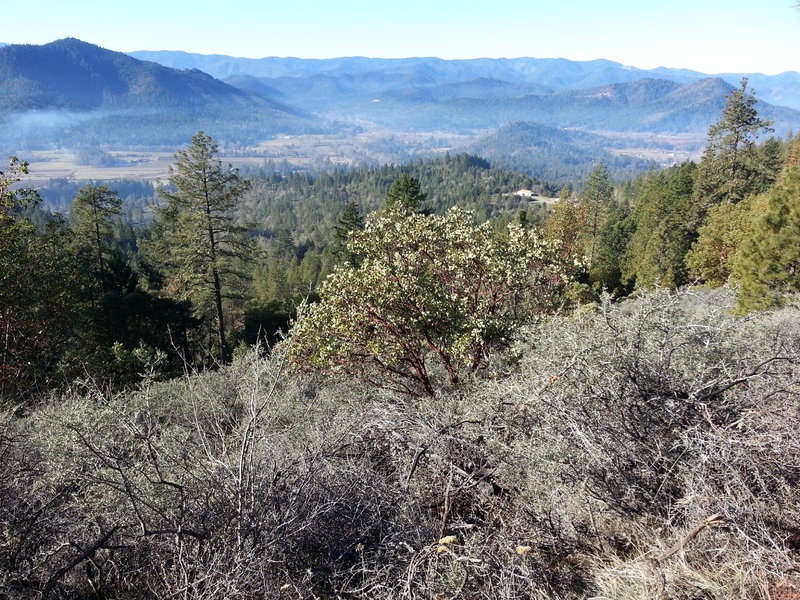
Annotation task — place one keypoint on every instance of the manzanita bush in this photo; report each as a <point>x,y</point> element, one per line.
<point>426,289</point>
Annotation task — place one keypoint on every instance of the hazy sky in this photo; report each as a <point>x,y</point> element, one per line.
<point>712,36</point>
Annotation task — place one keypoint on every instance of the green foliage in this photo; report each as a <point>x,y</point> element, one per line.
<point>92,212</point>
<point>122,326</point>
<point>730,168</point>
<point>565,225</point>
<point>40,309</point>
<point>405,195</point>
<point>285,277</point>
<point>196,240</point>
<point>607,272</point>
<point>38,288</point>
<point>428,289</point>
<point>351,221</point>
<point>309,206</point>
<point>73,306</point>
<point>770,158</point>
<point>58,193</point>
<point>11,200</point>
<point>598,197</point>
<point>767,266</point>
<point>727,226</point>
<point>593,230</point>
<point>662,234</point>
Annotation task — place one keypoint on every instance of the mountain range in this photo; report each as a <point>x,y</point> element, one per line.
<point>436,94</point>
<point>521,111</point>
<point>549,74</point>
<point>74,93</point>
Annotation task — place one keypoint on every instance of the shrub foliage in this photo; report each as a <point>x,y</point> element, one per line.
<point>425,289</point>
<point>641,450</point>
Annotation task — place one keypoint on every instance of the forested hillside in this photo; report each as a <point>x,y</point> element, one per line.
<point>433,380</point>
<point>307,206</point>
<point>548,73</point>
<point>72,93</point>
<point>554,154</point>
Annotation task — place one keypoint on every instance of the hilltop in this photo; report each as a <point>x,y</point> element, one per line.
<point>73,92</point>
<point>353,111</point>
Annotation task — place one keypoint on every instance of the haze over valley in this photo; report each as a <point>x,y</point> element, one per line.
<point>71,107</point>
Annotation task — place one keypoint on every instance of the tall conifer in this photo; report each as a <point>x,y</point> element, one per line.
<point>195,236</point>
<point>729,170</point>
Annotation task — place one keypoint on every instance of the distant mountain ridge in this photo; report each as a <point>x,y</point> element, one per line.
<point>643,105</point>
<point>555,73</point>
<point>478,94</point>
<point>119,96</point>
<point>526,113</point>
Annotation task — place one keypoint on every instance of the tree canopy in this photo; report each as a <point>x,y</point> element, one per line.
<point>429,289</point>
<point>768,264</point>
<point>195,237</point>
<point>729,170</point>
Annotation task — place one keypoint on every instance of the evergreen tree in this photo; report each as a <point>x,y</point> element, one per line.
<point>729,170</point>
<point>39,303</point>
<point>92,211</point>
<point>793,152</point>
<point>405,195</point>
<point>769,160</point>
<point>13,200</point>
<point>351,220</point>
<point>195,238</point>
<point>598,197</point>
<point>727,226</point>
<point>768,264</point>
<point>663,234</point>
<point>609,264</point>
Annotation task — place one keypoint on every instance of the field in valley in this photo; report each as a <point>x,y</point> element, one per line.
<point>300,152</point>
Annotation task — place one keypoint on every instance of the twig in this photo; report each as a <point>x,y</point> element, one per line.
<point>711,521</point>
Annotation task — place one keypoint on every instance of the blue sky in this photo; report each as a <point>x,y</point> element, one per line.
<point>712,36</point>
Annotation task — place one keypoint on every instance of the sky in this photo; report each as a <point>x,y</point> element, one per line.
<point>711,36</point>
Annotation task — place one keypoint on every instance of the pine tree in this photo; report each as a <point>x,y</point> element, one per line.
<point>598,198</point>
<point>663,235</point>
<point>729,170</point>
<point>768,264</point>
<point>195,238</point>
<point>769,160</point>
<point>351,220</point>
<point>610,255</point>
<point>39,303</point>
<point>92,211</point>
<point>405,195</point>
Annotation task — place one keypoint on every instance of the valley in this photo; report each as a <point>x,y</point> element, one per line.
<point>318,152</point>
<point>551,119</point>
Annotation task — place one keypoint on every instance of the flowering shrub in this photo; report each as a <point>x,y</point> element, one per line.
<point>425,288</point>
